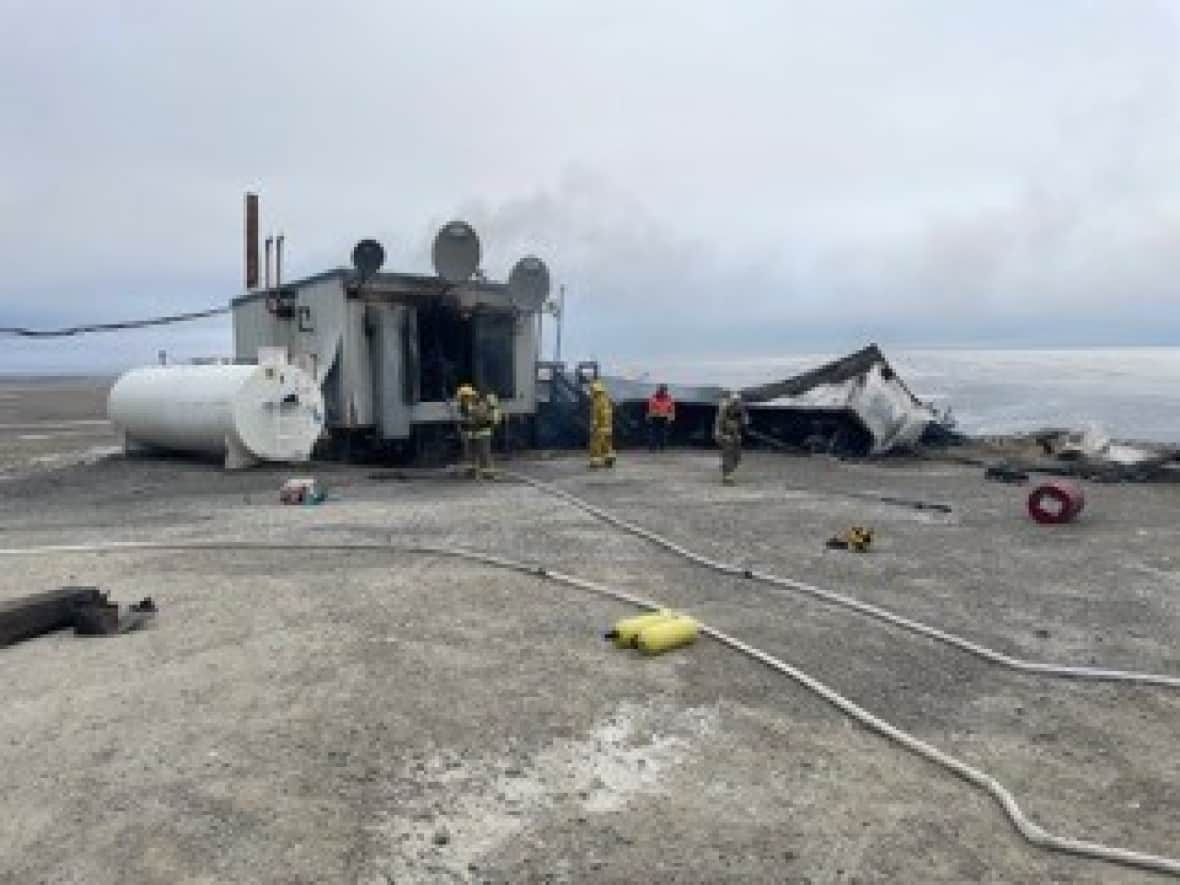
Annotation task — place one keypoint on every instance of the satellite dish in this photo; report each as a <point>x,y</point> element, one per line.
<point>456,252</point>
<point>528,283</point>
<point>367,257</point>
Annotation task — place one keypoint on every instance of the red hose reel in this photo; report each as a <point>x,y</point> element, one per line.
<point>1056,502</point>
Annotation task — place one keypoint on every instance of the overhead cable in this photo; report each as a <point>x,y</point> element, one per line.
<point>23,332</point>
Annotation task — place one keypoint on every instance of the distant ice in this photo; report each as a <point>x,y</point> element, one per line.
<point>1131,393</point>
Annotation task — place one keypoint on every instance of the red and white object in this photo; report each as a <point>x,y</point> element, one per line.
<point>1056,502</point>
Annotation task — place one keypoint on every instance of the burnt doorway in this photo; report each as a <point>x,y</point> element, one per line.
<point>456,349</point>
<point>495,354</point>
<point>446,345</point>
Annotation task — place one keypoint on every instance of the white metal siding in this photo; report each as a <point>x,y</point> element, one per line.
<point>389,360</point>
<point>356,370</point>
<point>367,388</point>
<point>254,327</point>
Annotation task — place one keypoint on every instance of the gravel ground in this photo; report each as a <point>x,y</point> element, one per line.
<point>308,716</point>
<point>47,423</point>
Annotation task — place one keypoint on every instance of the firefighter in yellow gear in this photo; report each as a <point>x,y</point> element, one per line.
<point>602,450</point>
<point>478,417</point>
<point>731,421</point>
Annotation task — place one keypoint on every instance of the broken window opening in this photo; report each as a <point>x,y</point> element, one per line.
<point>445,345</point>
<point>454,349</point>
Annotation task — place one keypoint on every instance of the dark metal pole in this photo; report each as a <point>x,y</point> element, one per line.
<point>251,234</point>
<point>560,319</point>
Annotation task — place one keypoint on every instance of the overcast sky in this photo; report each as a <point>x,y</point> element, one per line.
<point>726,179</point>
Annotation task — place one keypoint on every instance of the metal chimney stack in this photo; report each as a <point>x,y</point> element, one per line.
<point>269,241</point>
<point>251,244</point>
<point>278,261</point>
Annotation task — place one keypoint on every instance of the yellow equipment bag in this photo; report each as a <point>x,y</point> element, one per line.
<point>667,634</point>
<point>626,630</point>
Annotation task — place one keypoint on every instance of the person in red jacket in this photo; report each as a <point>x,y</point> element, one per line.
<point>661,412</point>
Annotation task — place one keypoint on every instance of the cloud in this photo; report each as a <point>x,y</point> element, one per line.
<point>703,179</point>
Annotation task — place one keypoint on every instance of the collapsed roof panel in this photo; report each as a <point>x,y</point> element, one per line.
<point>861,388</point>
<point>848,368</point>
<point>889,412</point>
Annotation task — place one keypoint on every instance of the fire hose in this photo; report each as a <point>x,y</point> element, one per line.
<point>866,608</point>
<point>1027,828</point>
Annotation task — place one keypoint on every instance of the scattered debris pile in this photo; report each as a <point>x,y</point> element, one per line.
<point>855,406</point>
<point>1092,448</point>
<point>1089,454</point>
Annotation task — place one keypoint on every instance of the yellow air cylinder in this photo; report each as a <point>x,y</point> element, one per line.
<point>627,630</point>
<point>667,634</point>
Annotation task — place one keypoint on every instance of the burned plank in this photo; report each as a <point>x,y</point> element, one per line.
<point>28,616</point>
<point>105,618</point>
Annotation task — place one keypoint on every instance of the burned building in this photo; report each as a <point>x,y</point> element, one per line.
<point>390,349</point>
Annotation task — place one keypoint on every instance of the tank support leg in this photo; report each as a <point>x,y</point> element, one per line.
<point>236,457</point>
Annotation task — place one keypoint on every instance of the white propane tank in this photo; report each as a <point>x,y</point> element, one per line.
<point>269,412</point>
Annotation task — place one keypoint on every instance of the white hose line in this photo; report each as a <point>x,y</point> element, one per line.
<point>1027,828</point>
<point>866,608</point>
